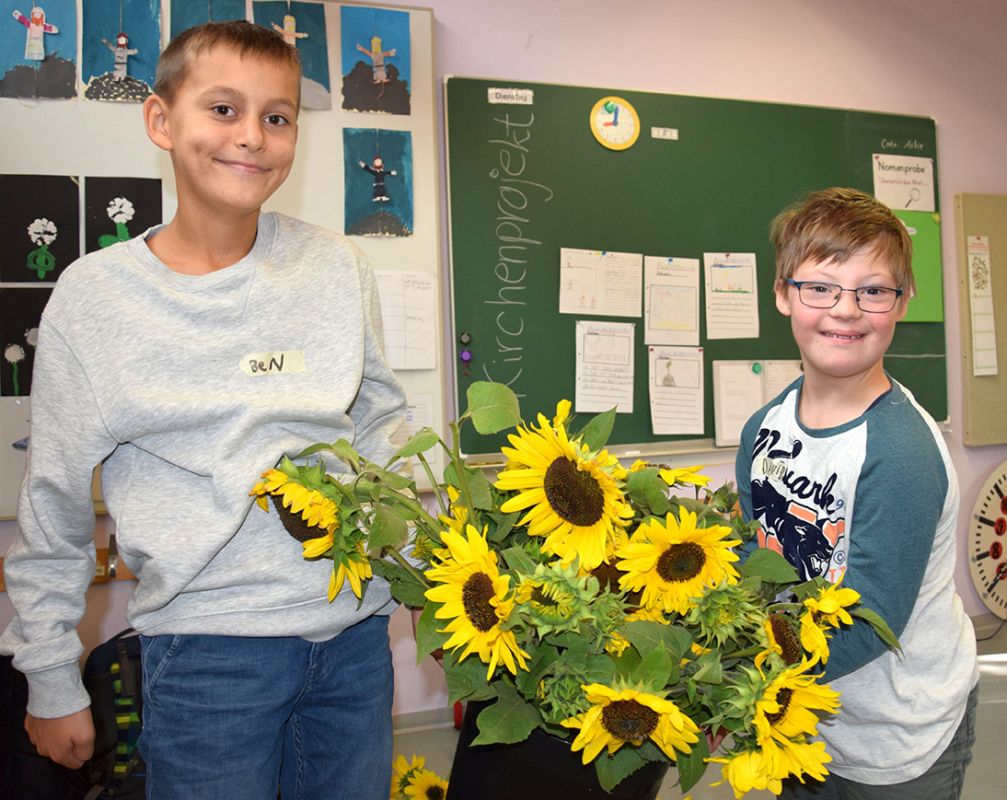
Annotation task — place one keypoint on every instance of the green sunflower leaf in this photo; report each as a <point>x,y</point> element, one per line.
<point>428,638</point>
<point>645,636</point>
<point>769,566</point>
<point>885,633</point>
<point>518,560</point>
<point>466,679</point>
<point>692,765</point>
<point>344,450</point>
<point>388,529</point>
<point>510,719</point>
<point>493,407</point>
<point>710,669</point>
<point>479,488</point>
<point>612,770</point>
<point>595,434</point>
<point>419,442</point>
<point>654,669</point>
<point>542,662</point>
<point>404,586</point>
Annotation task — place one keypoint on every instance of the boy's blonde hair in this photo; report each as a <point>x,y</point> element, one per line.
<point>835,224</point>
<point>245,37</point>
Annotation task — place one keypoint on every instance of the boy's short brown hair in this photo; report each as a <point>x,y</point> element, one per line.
<point>241,35</point>
<point>835,224</point>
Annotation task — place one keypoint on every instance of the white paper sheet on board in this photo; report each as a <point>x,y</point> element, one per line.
<point>732,298</point>
<point>604,366</point>
<point>676,389</point>
<point>984,337</point>
<point>740,388</point>
<point>600,282</point>
<point>408,316</point>
<point>904,182</point>
<point>671,300</point>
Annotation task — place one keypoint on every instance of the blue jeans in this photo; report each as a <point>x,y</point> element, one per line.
<point>229,717</point>
<point>943,781</point>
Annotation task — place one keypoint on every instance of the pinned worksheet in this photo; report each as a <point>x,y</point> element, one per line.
<point>600,282</point>
<point>740,388</point>
<point>671,300</point>
<point>604,367</point>
<point>409,318</point>
<point>676,389</point>
<point>732,299</point>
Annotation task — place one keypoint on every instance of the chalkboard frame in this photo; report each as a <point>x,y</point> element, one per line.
<point>526,177</point>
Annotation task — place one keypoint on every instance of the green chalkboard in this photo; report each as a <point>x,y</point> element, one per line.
<point>528,178</point>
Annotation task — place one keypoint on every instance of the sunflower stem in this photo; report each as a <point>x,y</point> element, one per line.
<point>403,562</point>
<point>433,483</point>
<point>460,469</point>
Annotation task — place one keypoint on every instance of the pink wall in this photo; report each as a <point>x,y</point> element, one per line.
<point>926,57</point>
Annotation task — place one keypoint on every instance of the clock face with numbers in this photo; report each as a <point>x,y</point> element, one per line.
<point>615,123</point>
<point>988,542</point>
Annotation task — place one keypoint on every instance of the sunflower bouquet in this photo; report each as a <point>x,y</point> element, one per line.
<point>606,605</point>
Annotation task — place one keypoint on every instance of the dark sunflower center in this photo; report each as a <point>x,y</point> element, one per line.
<point>783,698</point>
<point>294,523</point>
<point>476,595</point>
<point>629,721</point>
<point>434,793</point>
<point>681,562</point>
<point>573,494</point>
<point>787,638</point>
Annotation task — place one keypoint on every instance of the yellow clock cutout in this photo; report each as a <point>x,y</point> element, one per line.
<point>615,123</point>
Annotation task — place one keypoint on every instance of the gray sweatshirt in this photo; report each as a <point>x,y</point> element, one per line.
<point>187,388</point>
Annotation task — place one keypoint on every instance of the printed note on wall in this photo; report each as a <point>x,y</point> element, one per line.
<point>604,366</point>
<point>984,337</point>
<point>732,299</point>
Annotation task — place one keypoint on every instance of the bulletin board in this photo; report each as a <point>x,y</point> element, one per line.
<point>982,281</point>
<point>78,139</point>
<point>526,178</point>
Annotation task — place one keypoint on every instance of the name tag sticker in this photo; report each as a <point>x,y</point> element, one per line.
<point>272,363</point>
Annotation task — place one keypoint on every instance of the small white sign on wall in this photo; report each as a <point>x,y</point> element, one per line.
<point>904,182</point>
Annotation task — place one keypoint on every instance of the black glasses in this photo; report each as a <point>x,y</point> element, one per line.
<point>873,299</point>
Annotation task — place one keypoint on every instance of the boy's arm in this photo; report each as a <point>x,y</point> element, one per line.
<point>50,564</point>
<point>380,405</point>
<point>900,499</point>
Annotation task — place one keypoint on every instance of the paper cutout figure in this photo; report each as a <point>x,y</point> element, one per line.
<point>289,30</point>
<point>43,233</point>
<point>34,45</point>
<point>377,200</point>
<point>13,354</point>
<point>377,57</point>
<point>378,171</point>
<point>121,52</point>
<point>120,211</point>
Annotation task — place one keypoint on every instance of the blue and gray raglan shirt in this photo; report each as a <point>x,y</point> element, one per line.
<point>872,502</point>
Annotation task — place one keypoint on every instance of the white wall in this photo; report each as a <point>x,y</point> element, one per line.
<point>927,57</point>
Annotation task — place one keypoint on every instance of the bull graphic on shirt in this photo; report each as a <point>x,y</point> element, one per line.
<point>799,534</point>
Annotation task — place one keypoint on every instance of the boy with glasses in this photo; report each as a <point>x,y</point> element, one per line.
<point>850,479</point>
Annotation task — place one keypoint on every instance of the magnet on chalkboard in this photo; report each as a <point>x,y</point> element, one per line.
<point>465,356</point>
<point>756,367</point>
<point>465,338</point>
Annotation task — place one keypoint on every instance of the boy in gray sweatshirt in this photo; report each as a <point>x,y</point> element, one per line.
<point>148,363</point>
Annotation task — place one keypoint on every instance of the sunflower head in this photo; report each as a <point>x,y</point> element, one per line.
<point>674,561</point>
<point>403,772</point>
<point>555,598</point>
<point>618,717</point>
<point>570,495</point>
<point>791,704</point>
<point>306,511</point>
<point>830,603</point>
<point>475,598</point>
<point>748,770</point>
<point>725,613</point>
<point>683,476</point>
<point>782,639</point>
<point>424,784</point>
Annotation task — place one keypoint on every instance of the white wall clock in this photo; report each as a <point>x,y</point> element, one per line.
<point>987,543</point>
<point>615,123</point>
